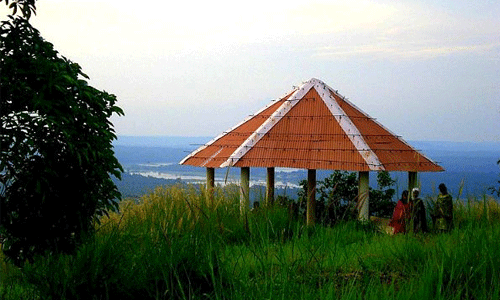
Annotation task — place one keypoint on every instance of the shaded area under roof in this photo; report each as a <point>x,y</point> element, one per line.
<point>312,127</point>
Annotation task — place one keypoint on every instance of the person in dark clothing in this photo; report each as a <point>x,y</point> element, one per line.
<point>418,217</point>
<point>443,212</point>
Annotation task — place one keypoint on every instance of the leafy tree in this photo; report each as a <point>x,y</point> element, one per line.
<point>381,204</point>
<point>56,157</point>
<point>337,197</point>
<point>26,7</point>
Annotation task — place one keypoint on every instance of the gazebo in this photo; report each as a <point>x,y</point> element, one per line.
<point>312,127</point>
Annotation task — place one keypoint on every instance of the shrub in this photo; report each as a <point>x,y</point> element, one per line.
<point>337,197</point>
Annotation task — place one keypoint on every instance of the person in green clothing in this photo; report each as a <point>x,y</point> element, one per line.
<point>443,212</point>
<point>418,212</point>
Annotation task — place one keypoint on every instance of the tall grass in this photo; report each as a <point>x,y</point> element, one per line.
<point>174,243</point>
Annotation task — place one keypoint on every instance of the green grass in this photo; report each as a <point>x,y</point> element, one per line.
<point>174,244</point>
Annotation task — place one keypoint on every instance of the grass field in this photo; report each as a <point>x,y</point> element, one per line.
<point>174,244</point>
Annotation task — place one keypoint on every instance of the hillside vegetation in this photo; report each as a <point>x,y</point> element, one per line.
<point>174,244</point>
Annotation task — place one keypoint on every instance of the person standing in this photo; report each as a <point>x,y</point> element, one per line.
<point>401,214</point>
<point>443,212</point>
<point>418,217</point>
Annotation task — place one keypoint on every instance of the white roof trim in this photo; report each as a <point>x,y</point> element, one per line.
<point>211,157</point>
<point>255,137</point>
<point>375,121</point>
<point>348,126</point>
<point>226,132</point>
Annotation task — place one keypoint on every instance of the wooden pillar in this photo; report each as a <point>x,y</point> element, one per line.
<point>270,186</point>
<point>210,184</point>
<point>245,189</point>
<point>412,182</point>
<point>363,196</point>
<point>311,198</point>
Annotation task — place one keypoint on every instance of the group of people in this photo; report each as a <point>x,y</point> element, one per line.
<point>410,214</point>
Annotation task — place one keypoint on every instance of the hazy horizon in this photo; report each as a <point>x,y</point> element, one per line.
<point>471,164</point>
<point>158,138</point>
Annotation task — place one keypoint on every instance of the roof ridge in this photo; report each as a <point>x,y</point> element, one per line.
<point>348,127</point>
<point>375,121</point>
<point>228,131</point>
<point>337,112</point>
<point>275,117</point>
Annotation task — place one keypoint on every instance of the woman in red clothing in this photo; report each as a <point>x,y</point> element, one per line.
<point>401,214</point>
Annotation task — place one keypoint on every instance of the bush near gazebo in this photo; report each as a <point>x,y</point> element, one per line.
<point>381,203</point>
<point>337,196</point>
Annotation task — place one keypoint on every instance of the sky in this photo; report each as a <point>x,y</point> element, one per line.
<point>427,70</point>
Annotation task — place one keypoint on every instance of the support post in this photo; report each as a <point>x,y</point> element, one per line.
<point>210,185</point>
<point>363,196</point>
<point>412,182</point>
<point>245,189</point>
<point>311,198</point>
<point>270,186</point>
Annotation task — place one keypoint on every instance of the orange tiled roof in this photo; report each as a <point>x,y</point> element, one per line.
<point>312,127</point>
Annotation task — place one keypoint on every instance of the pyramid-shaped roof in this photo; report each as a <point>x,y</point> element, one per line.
<point>311,127</point>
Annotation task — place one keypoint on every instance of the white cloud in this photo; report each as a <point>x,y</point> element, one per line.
<point>414,32</point>
<point>329,29</point>
<point>395,50</point>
